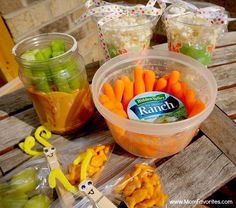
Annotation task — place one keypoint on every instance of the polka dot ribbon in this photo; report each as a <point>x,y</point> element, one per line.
<point>109,11</point>
<point>215,14</point>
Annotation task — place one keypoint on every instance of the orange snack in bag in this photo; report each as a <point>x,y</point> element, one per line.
<point>141,188</point>
<point>96,163</point>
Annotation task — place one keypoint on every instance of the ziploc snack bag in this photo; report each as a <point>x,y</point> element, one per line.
<point>138,186</point>
<point>85,159</point>
<point>26,186</point>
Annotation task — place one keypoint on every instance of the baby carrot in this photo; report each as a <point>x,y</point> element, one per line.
<point>174,77</point>
<point>119,112</point>
<point>118,105</point>
<point>108,91</point>
<point>128,94</point>
<point>160,84</point>
<point>109,105</point>
<point>184,87</point>
<point>189,100</point>
<point>198,107</point>
<point>119,89</point>
<point>125,79</point>
<point>176,90</point>
<point>149,80</point>
<point>103,99</point>
<point>139,86</point>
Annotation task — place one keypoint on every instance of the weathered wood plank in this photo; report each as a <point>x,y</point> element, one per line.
<point>226,100</point>
<point>221,131</point>
<point>225,75</point>
<point>196,172</point>
<point>12,102</point>
<point>229,38</point>
<point>24,123</point>
<point>223,55</point>
<point>18,127</point>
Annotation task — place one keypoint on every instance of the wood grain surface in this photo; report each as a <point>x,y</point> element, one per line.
<point>196,172</point>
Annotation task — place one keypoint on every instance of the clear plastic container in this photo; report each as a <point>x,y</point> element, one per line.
<point>191,34</point>
<point>150,139</point>
<point>128,33</point>
<point>57,86</point>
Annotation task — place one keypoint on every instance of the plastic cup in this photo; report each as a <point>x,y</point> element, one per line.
<point>58,86</point>
<point>128,33</point>
<point>191,34</point>
<point>151,139</point>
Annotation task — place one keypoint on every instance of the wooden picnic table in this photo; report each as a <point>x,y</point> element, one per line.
<point>200,169</point>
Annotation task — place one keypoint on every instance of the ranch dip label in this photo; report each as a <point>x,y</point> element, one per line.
<point>156,107</point>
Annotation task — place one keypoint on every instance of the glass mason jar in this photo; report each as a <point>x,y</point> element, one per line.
<point>54,76</point>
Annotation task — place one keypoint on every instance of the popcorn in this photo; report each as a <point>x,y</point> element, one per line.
<point>128,33</point>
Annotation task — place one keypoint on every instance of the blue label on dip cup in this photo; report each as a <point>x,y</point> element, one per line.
<point>156,107</point>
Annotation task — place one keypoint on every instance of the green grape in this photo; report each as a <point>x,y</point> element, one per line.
<point>25,181</point>
<point>28,55</point>
<point>39,201</point>
<point>13,200</point>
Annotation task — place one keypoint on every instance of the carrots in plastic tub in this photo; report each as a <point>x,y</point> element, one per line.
<point>88,164</point>
<point>117,99</point>
<point>141,188</point>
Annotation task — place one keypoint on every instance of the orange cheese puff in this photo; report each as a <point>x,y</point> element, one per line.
<point>103,99</point>
<point>149,80</point>
<point>119,112</point>
<point>128,94</point>
<point>119,89</point>
<point>108,91</point>
<point>139,86</point>
<point>160,84</point>
<point>174,77</point>
<point>198,107</point>
<point>125,79</point>
<point>176,90</point>
<point>189,100</point>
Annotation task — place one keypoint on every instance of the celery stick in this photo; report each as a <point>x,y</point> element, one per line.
<point>57,45</point>
<point>73,79</point>
<point>40,81</point>
<point>57,53</point>
<point>47,52</point>
<point>39,56</point>
<point>60,79</point>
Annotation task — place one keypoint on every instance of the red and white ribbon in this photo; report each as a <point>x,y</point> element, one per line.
<point>215,14</point>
